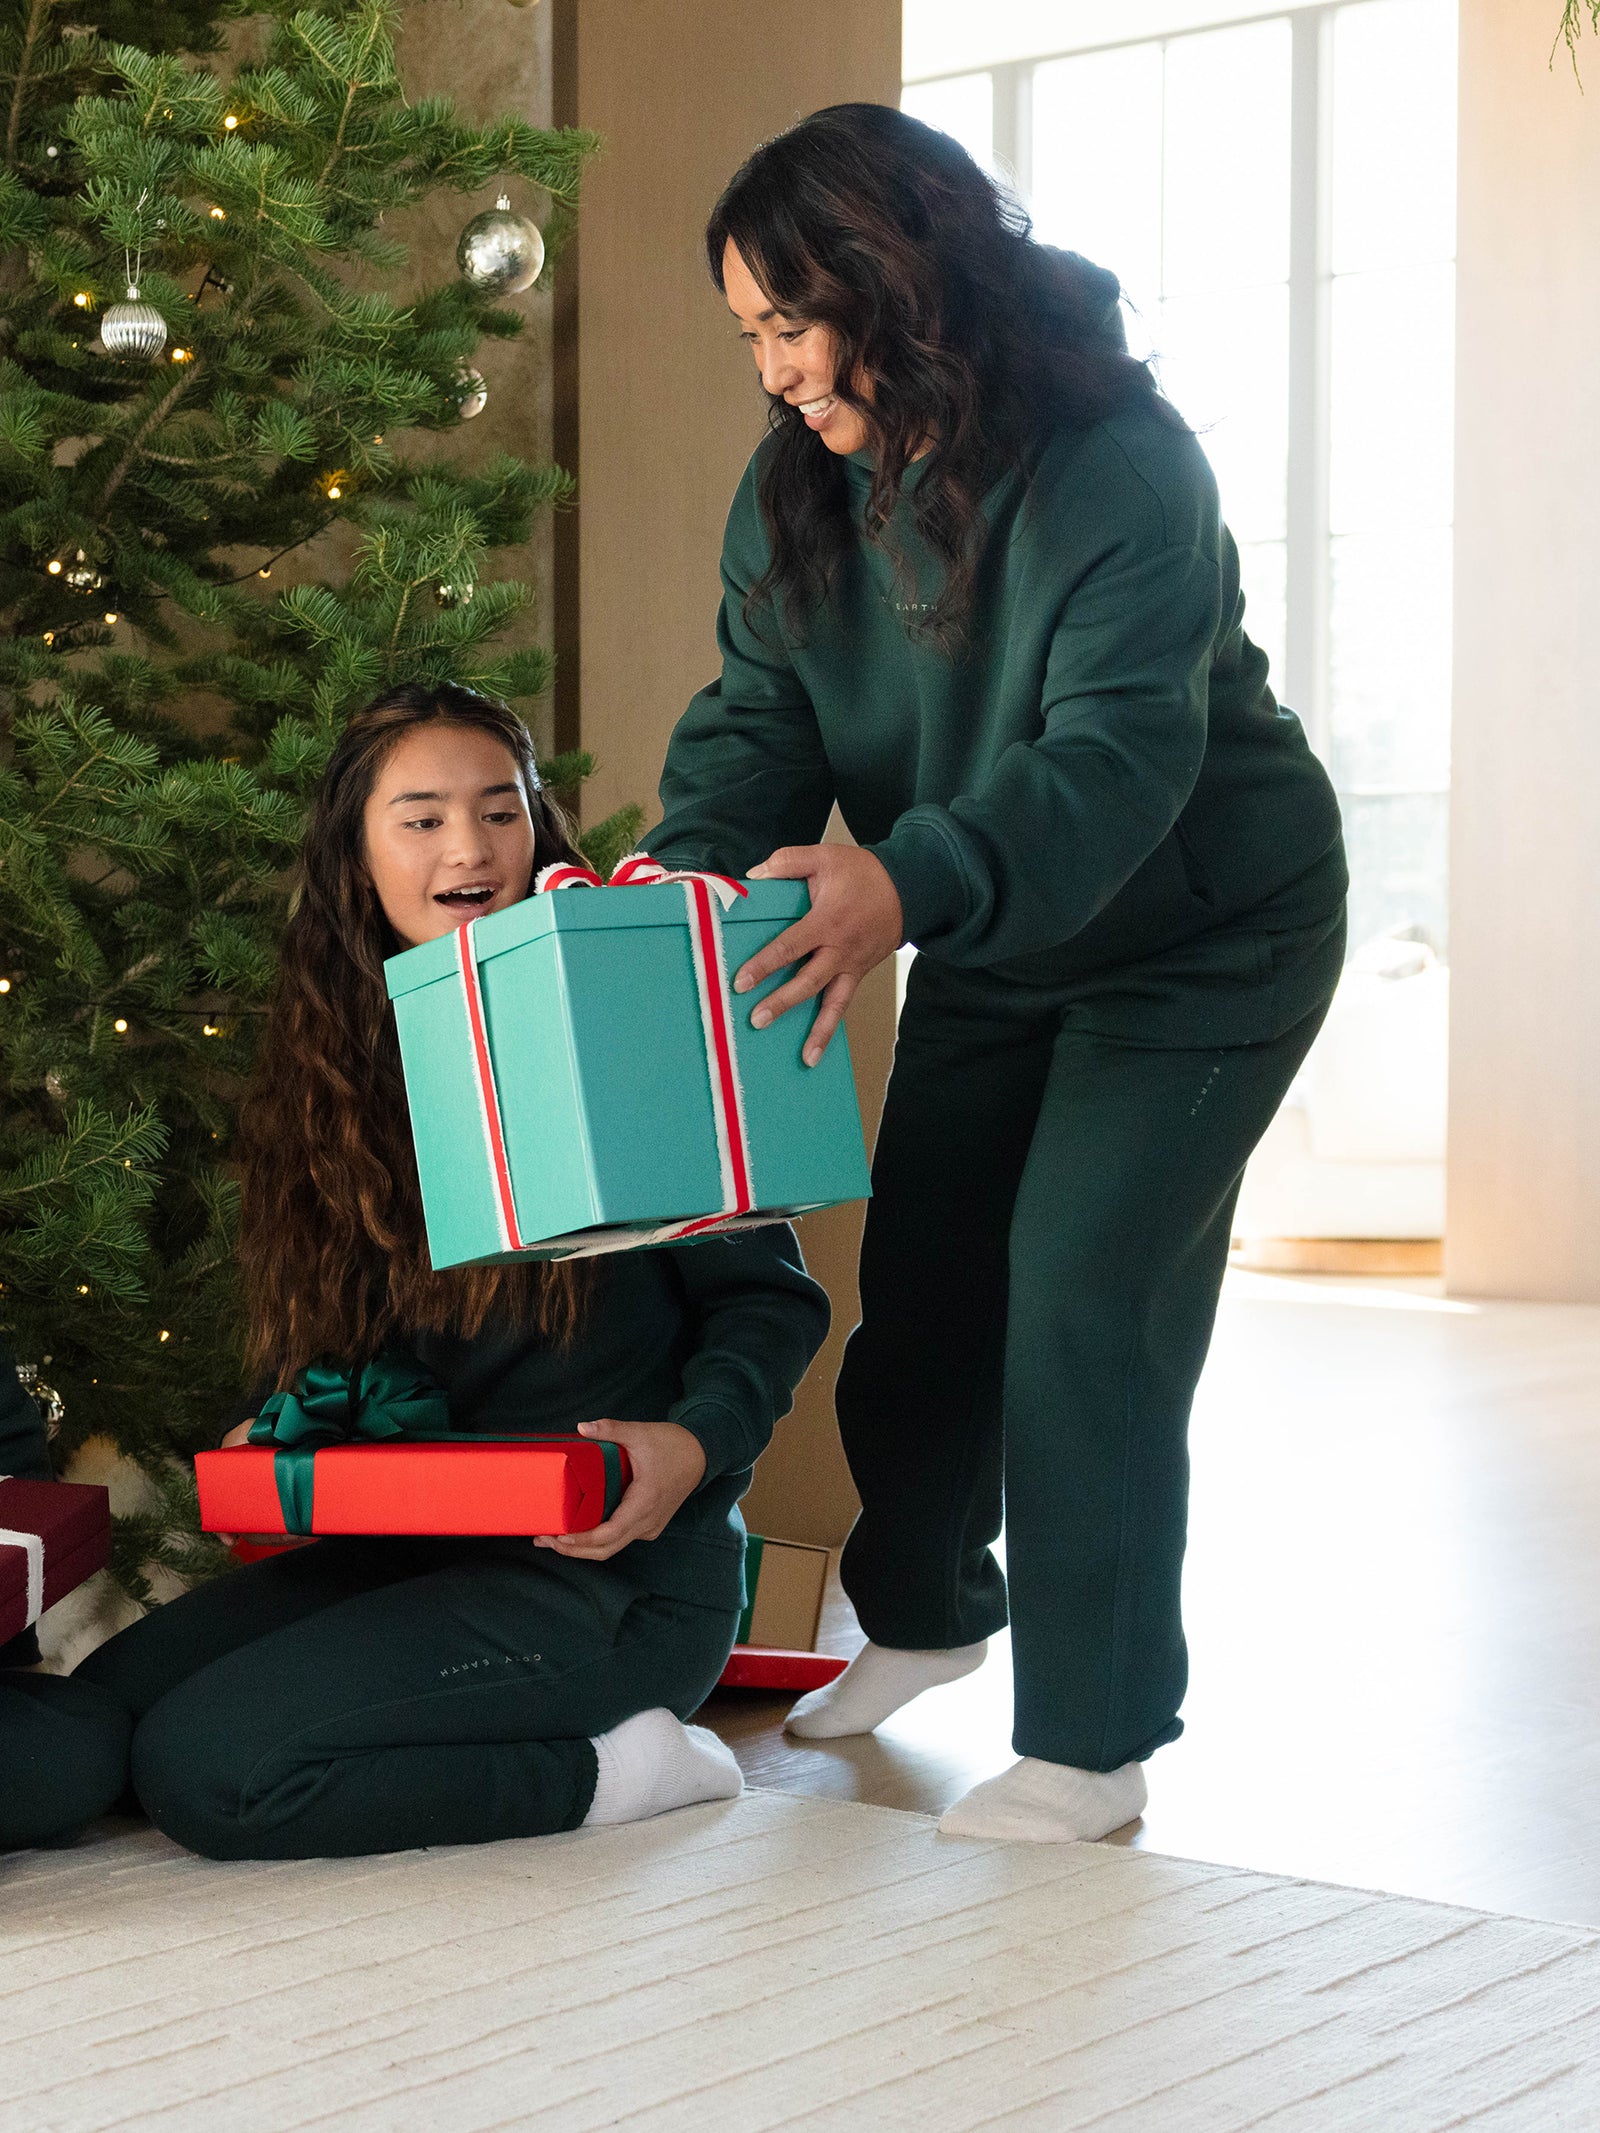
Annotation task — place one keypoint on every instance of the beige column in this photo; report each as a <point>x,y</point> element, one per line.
<point>1524,1165</point>
<point>661,416</point>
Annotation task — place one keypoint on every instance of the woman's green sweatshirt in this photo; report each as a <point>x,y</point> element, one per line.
<point>1100,783</point>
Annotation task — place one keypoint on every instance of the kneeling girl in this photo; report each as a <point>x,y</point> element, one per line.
<point>367,1695</point>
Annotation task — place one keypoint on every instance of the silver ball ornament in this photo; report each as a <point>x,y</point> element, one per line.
<point>51,1406</point>
<point>499,252</point>
<point>469,392</point>
<point>133,328</point>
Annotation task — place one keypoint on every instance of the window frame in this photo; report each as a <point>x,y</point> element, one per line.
<point>1305,682</point>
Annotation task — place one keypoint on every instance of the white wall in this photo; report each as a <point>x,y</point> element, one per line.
<point>1524,1169</point>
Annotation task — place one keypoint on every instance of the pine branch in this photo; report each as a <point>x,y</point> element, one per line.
<point>38,13</point>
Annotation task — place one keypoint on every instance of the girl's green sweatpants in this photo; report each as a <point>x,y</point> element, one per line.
<point>1044,1249</point>
<point>373,1695</point>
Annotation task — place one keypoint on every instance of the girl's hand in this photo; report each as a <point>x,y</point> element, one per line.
<point>855,921</point>
<point>239,1435</point>
<point>236,1435</point>
<point>668,1466</point>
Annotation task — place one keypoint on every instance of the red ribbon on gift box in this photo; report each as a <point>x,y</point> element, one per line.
<point>707,896</point>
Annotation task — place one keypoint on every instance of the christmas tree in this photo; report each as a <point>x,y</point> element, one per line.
<point>202,373</point>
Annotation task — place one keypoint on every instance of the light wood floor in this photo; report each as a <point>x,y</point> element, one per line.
<point>1393,1600</point>
<point>771,1963</point>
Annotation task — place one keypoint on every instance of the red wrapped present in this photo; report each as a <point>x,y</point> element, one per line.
<point>371,1450</point>
<point>767,1666</point>
<point>532,1485</point>
<point>53,1535</point>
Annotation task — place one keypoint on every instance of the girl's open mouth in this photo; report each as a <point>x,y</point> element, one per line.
<point>471,899</point>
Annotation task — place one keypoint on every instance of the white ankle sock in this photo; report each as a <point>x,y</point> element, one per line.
<point>875,1684</point>
<point>652,1763</point>
<point>1049,1803</point>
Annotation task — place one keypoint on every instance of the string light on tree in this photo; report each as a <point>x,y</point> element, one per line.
<point>500,253</point>
<point>453,595</point>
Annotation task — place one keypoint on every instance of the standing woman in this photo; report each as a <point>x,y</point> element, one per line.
<point>978,591</point>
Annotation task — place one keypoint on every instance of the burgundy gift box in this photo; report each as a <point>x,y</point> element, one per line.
<point>53,1535</point>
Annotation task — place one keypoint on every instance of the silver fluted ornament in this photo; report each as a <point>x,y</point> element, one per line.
<point>468,390</point>
<point>500,253</point>
<point>133,328</point>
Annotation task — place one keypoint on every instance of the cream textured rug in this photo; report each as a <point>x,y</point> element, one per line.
<point>773,1962</point>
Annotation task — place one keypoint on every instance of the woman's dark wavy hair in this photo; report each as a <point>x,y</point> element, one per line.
<point>332,1243</point>
<point>955,329</point>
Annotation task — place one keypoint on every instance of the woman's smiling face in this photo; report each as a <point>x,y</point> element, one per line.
<point>796,358</point>
<point>447,831</point>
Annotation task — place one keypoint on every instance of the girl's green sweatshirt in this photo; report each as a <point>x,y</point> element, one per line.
<point>1099,782</point>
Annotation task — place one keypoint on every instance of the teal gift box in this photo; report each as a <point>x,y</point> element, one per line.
<point>575,1065</point>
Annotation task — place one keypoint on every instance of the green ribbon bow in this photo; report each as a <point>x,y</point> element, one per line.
<point>392,1396</point>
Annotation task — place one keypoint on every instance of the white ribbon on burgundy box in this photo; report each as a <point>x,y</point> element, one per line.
<point>32,1546</point>
<point>61,1530</point>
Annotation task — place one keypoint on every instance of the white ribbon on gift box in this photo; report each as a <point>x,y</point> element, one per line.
<point>33,1548</point>
<point>707,895</point>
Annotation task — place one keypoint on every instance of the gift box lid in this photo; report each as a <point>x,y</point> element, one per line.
<point>66,1515</point>
<point>582,910</point>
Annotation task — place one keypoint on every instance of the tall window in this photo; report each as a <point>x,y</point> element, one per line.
<point>1277,198</point>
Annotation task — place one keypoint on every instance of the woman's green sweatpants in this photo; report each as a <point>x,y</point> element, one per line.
<point>1039,1275</point>
<point>373,1695</point>
<point>63,1757</point>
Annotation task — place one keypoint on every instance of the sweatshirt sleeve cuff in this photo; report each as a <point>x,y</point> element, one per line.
<point>723,1434</point>
<point>927,877</point>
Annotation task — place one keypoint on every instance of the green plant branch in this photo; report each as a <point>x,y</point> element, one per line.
<point>1571,30</point>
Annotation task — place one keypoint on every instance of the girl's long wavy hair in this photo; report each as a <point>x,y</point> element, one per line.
<point>332,1243</point>
<point>958,336</point>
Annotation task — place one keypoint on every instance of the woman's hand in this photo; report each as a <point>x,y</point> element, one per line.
<point>855,921</point>
<point>668,1466</point>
